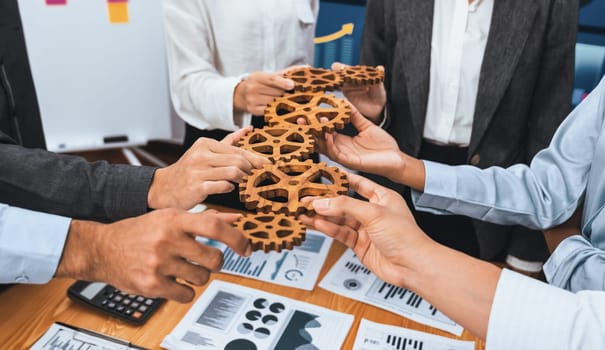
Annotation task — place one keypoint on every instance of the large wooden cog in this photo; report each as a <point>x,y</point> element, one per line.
<point>271,232</point>
<point>314,79</point>
<point>279,188</point>
<point>320,113</point>
<point>279,143</point>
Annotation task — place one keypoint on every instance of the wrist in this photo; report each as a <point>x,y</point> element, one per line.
<point>239,100</point>
<point>378,118</point>
<point>80,252</point>
<point>154,197</point>
<point>410,172</point>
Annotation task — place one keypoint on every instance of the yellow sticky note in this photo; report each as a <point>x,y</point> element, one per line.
<point>118,12</point>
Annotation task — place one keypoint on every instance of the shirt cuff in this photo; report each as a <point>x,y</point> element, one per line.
<point>383,122</point>
<point>127,190</point>
<point>240,119</point>
<point>557,266</point>
<point>439,188</point>
<point>31,245</point>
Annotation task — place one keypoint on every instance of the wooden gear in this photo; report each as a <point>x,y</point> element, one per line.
<point>322,113</point>
<point>278,188</point>
<point>279,143</point>
<point>362,75</point>
<point>269,232</point>
<point>314,79</point>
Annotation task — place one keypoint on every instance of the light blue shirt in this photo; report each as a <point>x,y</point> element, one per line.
<point>31,244</point>
<point>542,195</point>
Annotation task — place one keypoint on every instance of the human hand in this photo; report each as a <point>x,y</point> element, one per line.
<point>573,226</point>
<point>208,167</point>
<point>253,94</point>
<point>370,99</point>
<point>381,232</point>
<point>154,254</point>
<point>372,150</point>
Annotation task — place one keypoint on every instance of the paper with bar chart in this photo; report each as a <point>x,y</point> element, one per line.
<point>297,268</point>
<point>349,278</point>
<point>376,336</point>
<point>232,317</point>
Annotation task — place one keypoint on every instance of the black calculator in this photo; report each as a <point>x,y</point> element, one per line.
<point>135,309</point>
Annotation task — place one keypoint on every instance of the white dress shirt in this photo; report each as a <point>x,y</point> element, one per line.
<point>530,315</point>
<point>213,44</point>
<point>460,32</point>
<point>31,244</point>
<point>570,172</point>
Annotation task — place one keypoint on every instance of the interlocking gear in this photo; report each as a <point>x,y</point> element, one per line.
<point>314,79</point>
<point>279,188</point>
<point>362,75</point>
<point>271,232</point>
<point>322,113</point>
<point>279,143</point>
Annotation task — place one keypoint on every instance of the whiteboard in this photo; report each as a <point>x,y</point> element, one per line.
<point>99,84</point>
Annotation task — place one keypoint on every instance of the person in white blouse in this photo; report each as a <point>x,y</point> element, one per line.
<point>225,59</point>
<point>479,82</point>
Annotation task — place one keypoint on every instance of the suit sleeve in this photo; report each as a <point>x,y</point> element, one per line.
<point>552,95</point>
<point>373,43</point>
<point>71,186</point>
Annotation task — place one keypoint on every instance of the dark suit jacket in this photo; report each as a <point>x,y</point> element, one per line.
<point>33,178</point>
<point>525,85</point>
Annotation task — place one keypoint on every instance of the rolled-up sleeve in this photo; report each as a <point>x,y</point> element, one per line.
<point>528,314</point>
<point>31,244</point>
<point>576,265</point>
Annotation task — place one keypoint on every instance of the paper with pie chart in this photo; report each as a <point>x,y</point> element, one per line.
<point>296,268</point>
<point>349,278</point>
<point>232,317</point>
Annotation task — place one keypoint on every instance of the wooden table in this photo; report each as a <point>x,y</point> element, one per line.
<point>28,310</point>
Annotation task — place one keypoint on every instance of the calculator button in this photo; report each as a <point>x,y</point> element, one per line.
<point>149,302</point>
<point>142,308</point>
<point>104,302</point>
<point>111,295</point>
<point>128,312</point>
<point>137,314</point>
<point>117,298</point>
<point>134,305</point>
<point>116,290</point>
<point>111,305</point>
<point>140,299</point>
<point>120,308</point>
<point>123,294</point>
<point>126,301</point>
<point>132,296</point>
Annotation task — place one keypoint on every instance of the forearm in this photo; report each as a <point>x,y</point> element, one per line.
<point>461,287</point>
<point>79,254</point>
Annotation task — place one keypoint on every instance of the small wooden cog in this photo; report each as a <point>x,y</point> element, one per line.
<point>279,188</point>
<point>322,113</point>
<point>362,75</point>
<point>279,143</point>
<point>271,232</point>
<point>314,79</point>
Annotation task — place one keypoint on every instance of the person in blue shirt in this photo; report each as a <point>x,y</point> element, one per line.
<point>565,177</point>
<point>509,310</point>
